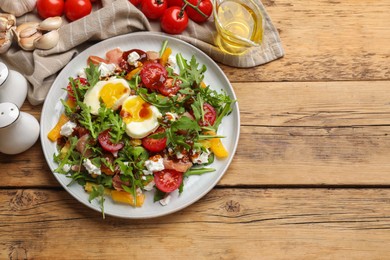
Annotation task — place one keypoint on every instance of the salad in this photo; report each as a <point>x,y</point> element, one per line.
<point>137,121</point>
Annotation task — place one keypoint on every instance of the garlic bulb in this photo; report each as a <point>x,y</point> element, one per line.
<point>17,7</point>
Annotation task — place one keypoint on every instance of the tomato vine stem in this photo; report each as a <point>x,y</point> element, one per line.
<point>196,7</point>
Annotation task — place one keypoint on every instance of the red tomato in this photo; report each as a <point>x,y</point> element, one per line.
<point>205,6</point>
<point>168,180</point>
<point>81,81</point>
<point>155,145</point>
<point>153,75</point>
<point>76,9</point>
<point>105,142</point>
<point>167,89</point>
<point>50,8</point>
<point>153,9</point>
<point>178,3</point>
<point>135,2</point>
<point>174,20</point>
<point>209,115</point>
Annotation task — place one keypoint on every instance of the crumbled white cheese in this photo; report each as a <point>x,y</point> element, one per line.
<point>149,186</point>
<point>201,158</point>
<point>82,74</point>
<point>155,166</point>
<point>66,167</point>
<point>91,168</point>
<point>133,58</point>
<point>179,155</point>
<point>165,201</point>
<point>67,128</point>
<point>106,69</point>
<point>146,172</point>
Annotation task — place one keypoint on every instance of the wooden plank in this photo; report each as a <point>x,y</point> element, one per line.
<point>245,224</point>
<point>326,41</point>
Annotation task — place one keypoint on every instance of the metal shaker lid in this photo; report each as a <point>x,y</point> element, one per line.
<point>9,113</point>
<point>4,72</point>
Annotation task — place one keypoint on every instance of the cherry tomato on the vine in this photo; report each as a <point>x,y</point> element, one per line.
<point>205,6</point>
<point>135,2</point>
<point>153,9</point>
<point>178,3</point>
<point>76,9</point>
<point>174,20</point>
<point>50,8</point>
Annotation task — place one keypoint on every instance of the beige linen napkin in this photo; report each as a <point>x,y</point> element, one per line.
<point>117,17</point>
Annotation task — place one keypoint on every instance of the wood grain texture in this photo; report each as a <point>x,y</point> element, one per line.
<point>225,224</point>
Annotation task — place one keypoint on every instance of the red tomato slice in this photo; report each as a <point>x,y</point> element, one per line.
<point>153,75</point>
<point>155,145</point>
<point>168,180</point>
<point>105,142</point>
<point>168,89</point>
<point>209,115</point>
<point>81,81</point>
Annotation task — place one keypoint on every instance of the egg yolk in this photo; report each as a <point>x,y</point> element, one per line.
<point>135,110</point>
<point>111,92</point>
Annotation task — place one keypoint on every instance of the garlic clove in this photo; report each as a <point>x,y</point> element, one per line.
<point>18,7</point>
<point>6,21</point>
<point>51,23</point>
<point>28,32</point>
<point>27,44</point>
<point>47,41</point>
<point>5,41</point>
<point>24,26</point>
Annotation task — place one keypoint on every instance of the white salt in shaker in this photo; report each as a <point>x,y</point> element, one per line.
<point>13,86</point>
<point>18,130</point>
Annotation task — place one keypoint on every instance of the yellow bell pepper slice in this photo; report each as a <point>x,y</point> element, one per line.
<point>165,56</point>
<point>127,198</point>
<point>54,134</point>
<point>216,146</point>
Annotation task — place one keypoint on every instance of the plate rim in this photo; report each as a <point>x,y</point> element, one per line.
<point>161,37</point>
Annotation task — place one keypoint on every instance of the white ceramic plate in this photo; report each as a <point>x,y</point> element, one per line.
<point>195,186</point>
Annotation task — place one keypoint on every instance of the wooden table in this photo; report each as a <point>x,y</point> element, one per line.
<point>310,179</point>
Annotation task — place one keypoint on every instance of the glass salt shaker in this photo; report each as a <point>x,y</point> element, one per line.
<point>18,130</point>
<point>13,86</point>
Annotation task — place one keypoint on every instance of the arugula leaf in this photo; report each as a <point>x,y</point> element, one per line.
<point>93,74</point>
<point>98,192</point>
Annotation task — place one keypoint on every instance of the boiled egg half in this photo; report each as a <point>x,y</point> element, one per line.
<point>111,92</point>
<point>140,117</point>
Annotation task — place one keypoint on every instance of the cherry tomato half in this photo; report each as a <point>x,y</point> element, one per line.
<point>209,115</point>
<point>105,142</point>
<point>155,145</point>
<point>153,9</point>
<point>81,81</point>
<point>50,8</point>
<point>153,75</point>
<point>174,20</point>
<point>168,88</point>
<point>76,9</point>
<point>168,180</point>
<point>205,6</point>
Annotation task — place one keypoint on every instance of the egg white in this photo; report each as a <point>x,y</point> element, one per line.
<point>93,95</point>
<point>141,129</point>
